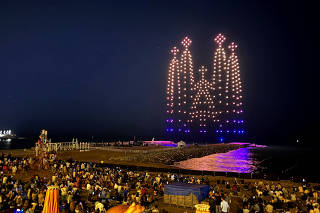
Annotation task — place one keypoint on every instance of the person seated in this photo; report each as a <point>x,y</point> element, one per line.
<point>269,208</point>
<point>245,209</point>
<point>99,206</point>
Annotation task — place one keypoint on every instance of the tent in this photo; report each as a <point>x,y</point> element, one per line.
<point>181,144</point>
<point>183,194</point>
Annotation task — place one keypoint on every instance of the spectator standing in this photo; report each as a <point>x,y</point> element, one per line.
<point>224,206</point>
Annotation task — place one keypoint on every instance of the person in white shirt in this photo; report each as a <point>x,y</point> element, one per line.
<point>88,186</point>
<point>4,180</point>
<point>99,206</point>
<point>14,170</point>
<point>54,178</point>
<point>224,206</point>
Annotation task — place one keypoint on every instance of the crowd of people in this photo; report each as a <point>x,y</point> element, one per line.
<point>266,196</point>
<point>90,187</point>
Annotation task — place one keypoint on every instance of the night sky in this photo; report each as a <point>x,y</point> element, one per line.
<point>78,68</point>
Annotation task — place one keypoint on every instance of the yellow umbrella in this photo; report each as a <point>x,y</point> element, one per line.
<point>51,203</point>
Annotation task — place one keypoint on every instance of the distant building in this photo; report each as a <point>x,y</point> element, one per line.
<point>7,134</point>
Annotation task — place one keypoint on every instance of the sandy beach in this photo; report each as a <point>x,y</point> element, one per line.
<point>152,156</point>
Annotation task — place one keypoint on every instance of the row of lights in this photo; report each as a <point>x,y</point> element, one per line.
<point>179,129</point>
<point>205,131</point>
<point>229,131</point>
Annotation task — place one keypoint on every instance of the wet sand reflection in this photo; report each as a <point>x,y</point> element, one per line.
<point>239,161</point>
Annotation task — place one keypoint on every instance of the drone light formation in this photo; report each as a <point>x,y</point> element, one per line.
<point>173,71</point>
<point>198,105</point>
<point>202,103</point>
<point>219,73</point>
<point>235,105</point>
<point>185,82</point>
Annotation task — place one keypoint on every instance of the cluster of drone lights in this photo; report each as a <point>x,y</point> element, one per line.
<point>173,67</point>
<point>202,102</point>
<point>185,79</point>
<point>202,105</point>
<point>219,69</point>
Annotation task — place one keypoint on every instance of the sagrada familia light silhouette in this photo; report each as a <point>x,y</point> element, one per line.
<point>209,106</point>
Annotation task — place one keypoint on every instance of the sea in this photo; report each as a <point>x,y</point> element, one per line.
<point>19,143</point>
<point>288,161</point>
<point>279,162</point>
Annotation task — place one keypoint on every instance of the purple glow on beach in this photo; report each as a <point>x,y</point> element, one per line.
<point>238,161</point>
<point>240,143</point>
<point>161,143</point>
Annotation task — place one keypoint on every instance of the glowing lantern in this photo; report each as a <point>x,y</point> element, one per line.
<point>202,208</point>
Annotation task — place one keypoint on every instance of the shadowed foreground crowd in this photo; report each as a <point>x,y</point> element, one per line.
<point>86,187</point>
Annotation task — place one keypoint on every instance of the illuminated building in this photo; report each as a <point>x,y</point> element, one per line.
<point>7,134</point>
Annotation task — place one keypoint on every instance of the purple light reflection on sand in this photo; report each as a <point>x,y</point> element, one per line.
<point>238,160</point>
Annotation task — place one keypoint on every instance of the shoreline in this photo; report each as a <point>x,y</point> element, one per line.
<point>156,159</point>
<point>151,167</point>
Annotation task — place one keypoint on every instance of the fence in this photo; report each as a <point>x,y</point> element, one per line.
<point>65,146</point>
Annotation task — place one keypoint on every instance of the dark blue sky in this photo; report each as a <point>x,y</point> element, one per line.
<point>82,68</point>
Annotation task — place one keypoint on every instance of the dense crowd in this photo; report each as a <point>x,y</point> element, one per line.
<point>265,196</point>
<point>88,187</point>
